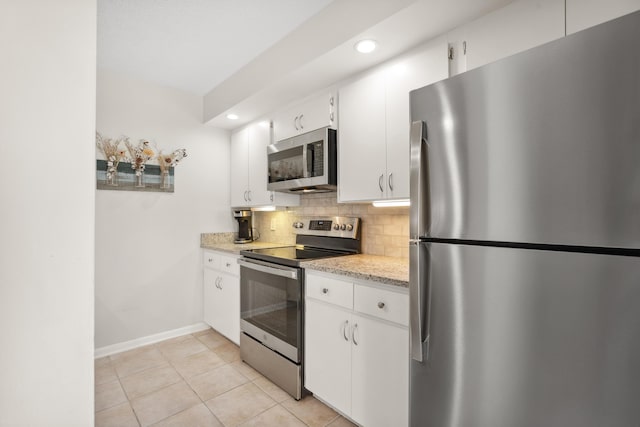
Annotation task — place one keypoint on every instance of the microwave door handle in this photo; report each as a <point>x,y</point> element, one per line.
<point>276,271</point>
<point>305,165</point>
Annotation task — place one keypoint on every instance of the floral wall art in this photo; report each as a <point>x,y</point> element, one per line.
<point>125,166</point>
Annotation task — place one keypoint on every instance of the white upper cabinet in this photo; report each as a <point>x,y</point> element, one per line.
<point>249,169</point>
<point>362,155</point>
<point>514,28</point>
<point>373,137</point>
<point>239,167</point>
<point>583,14</point>
<point>314,113</point>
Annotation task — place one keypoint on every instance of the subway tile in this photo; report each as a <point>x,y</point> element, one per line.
<point>392,230</point>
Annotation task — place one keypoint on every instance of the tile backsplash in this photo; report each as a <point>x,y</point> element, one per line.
<point>385,231</point>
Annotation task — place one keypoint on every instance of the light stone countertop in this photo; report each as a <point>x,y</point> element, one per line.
<point>383,269</point>
<point>224,242</point>
<point>387,270</point>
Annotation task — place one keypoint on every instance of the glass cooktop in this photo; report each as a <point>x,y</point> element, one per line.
<point>291,255</point>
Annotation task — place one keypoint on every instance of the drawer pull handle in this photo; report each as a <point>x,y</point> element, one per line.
<point>344,330</point>
<point>325,290</point>
<point>353,334</point>
<point>380,305</point>
<point>228,264</point>
<point>210,259</point>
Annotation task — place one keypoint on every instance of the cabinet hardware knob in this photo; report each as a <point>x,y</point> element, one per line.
<point>228,264</point>
<point>210,259</point>
<point>380,304</point>
<point>325,290</point>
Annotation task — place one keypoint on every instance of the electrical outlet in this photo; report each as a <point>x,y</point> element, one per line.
<point>273,224</point>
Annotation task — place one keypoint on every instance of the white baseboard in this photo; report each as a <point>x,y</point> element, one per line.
<point>149,339</point>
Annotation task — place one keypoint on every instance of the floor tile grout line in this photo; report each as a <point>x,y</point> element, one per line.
<point>297,417</point>
<point>186,381</point>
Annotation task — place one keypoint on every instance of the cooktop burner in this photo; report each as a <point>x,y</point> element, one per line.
<point>315,239</point>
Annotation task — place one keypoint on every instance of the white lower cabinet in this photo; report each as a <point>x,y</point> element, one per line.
<point>221,294</point>
<point>357,349</point>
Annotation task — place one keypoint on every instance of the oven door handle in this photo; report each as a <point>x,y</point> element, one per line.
<point>270,269</point>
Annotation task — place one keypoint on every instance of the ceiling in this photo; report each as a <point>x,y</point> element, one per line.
<point>250,57</point>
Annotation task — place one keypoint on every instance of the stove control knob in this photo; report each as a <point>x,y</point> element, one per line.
<point>336,226</point>
<point>343,227</point>
<point>298,224</point>
<point>349,227</point>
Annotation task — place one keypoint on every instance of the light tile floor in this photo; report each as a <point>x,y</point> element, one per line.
<point>196,380</point>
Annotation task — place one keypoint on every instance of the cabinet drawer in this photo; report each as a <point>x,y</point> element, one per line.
<point>331,290</point>
<point>230,265</point>
<point>387,305</point>
<point>211,259</point>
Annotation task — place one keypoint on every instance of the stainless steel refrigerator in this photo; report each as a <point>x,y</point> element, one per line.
<point>525,238</point>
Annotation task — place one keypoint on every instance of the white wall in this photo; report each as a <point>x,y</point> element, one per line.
<point>47,122</point>
<point>148,269</point>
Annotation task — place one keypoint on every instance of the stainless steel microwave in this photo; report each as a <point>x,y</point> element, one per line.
<point>304,163</point>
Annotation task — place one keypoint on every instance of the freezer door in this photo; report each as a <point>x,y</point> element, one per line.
<point>521,337</point>
<point>542,147</point>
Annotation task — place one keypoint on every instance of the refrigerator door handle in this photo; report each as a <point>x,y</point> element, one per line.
<point>420,211</point>
<point>419,300</point>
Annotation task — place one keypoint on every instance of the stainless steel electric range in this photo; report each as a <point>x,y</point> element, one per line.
<point>272,297</point>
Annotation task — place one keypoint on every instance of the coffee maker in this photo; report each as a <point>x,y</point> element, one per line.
<point>245,230</point>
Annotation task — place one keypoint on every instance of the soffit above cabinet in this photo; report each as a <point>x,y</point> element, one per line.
<point>320,52</point>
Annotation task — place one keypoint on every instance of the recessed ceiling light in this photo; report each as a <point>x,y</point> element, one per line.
<point>232,116</point>
<point>366,46</point>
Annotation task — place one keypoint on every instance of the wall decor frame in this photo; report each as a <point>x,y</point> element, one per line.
<point>125,179</point>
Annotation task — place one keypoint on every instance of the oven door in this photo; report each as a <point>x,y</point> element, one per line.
<point>271,306</point>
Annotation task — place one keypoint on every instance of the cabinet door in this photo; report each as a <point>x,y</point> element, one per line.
<point>328,354</point>
<point>420,69</point>
<point>514,28</point>
<point>239,168</point>
<point>285,124</point>
<point>317,113</point>
<point>362,160</point>
<point>583,14</point>
<point>222,303</point>
<point>380,373</point>
<point>259,138</point>
<point>314,113</point>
